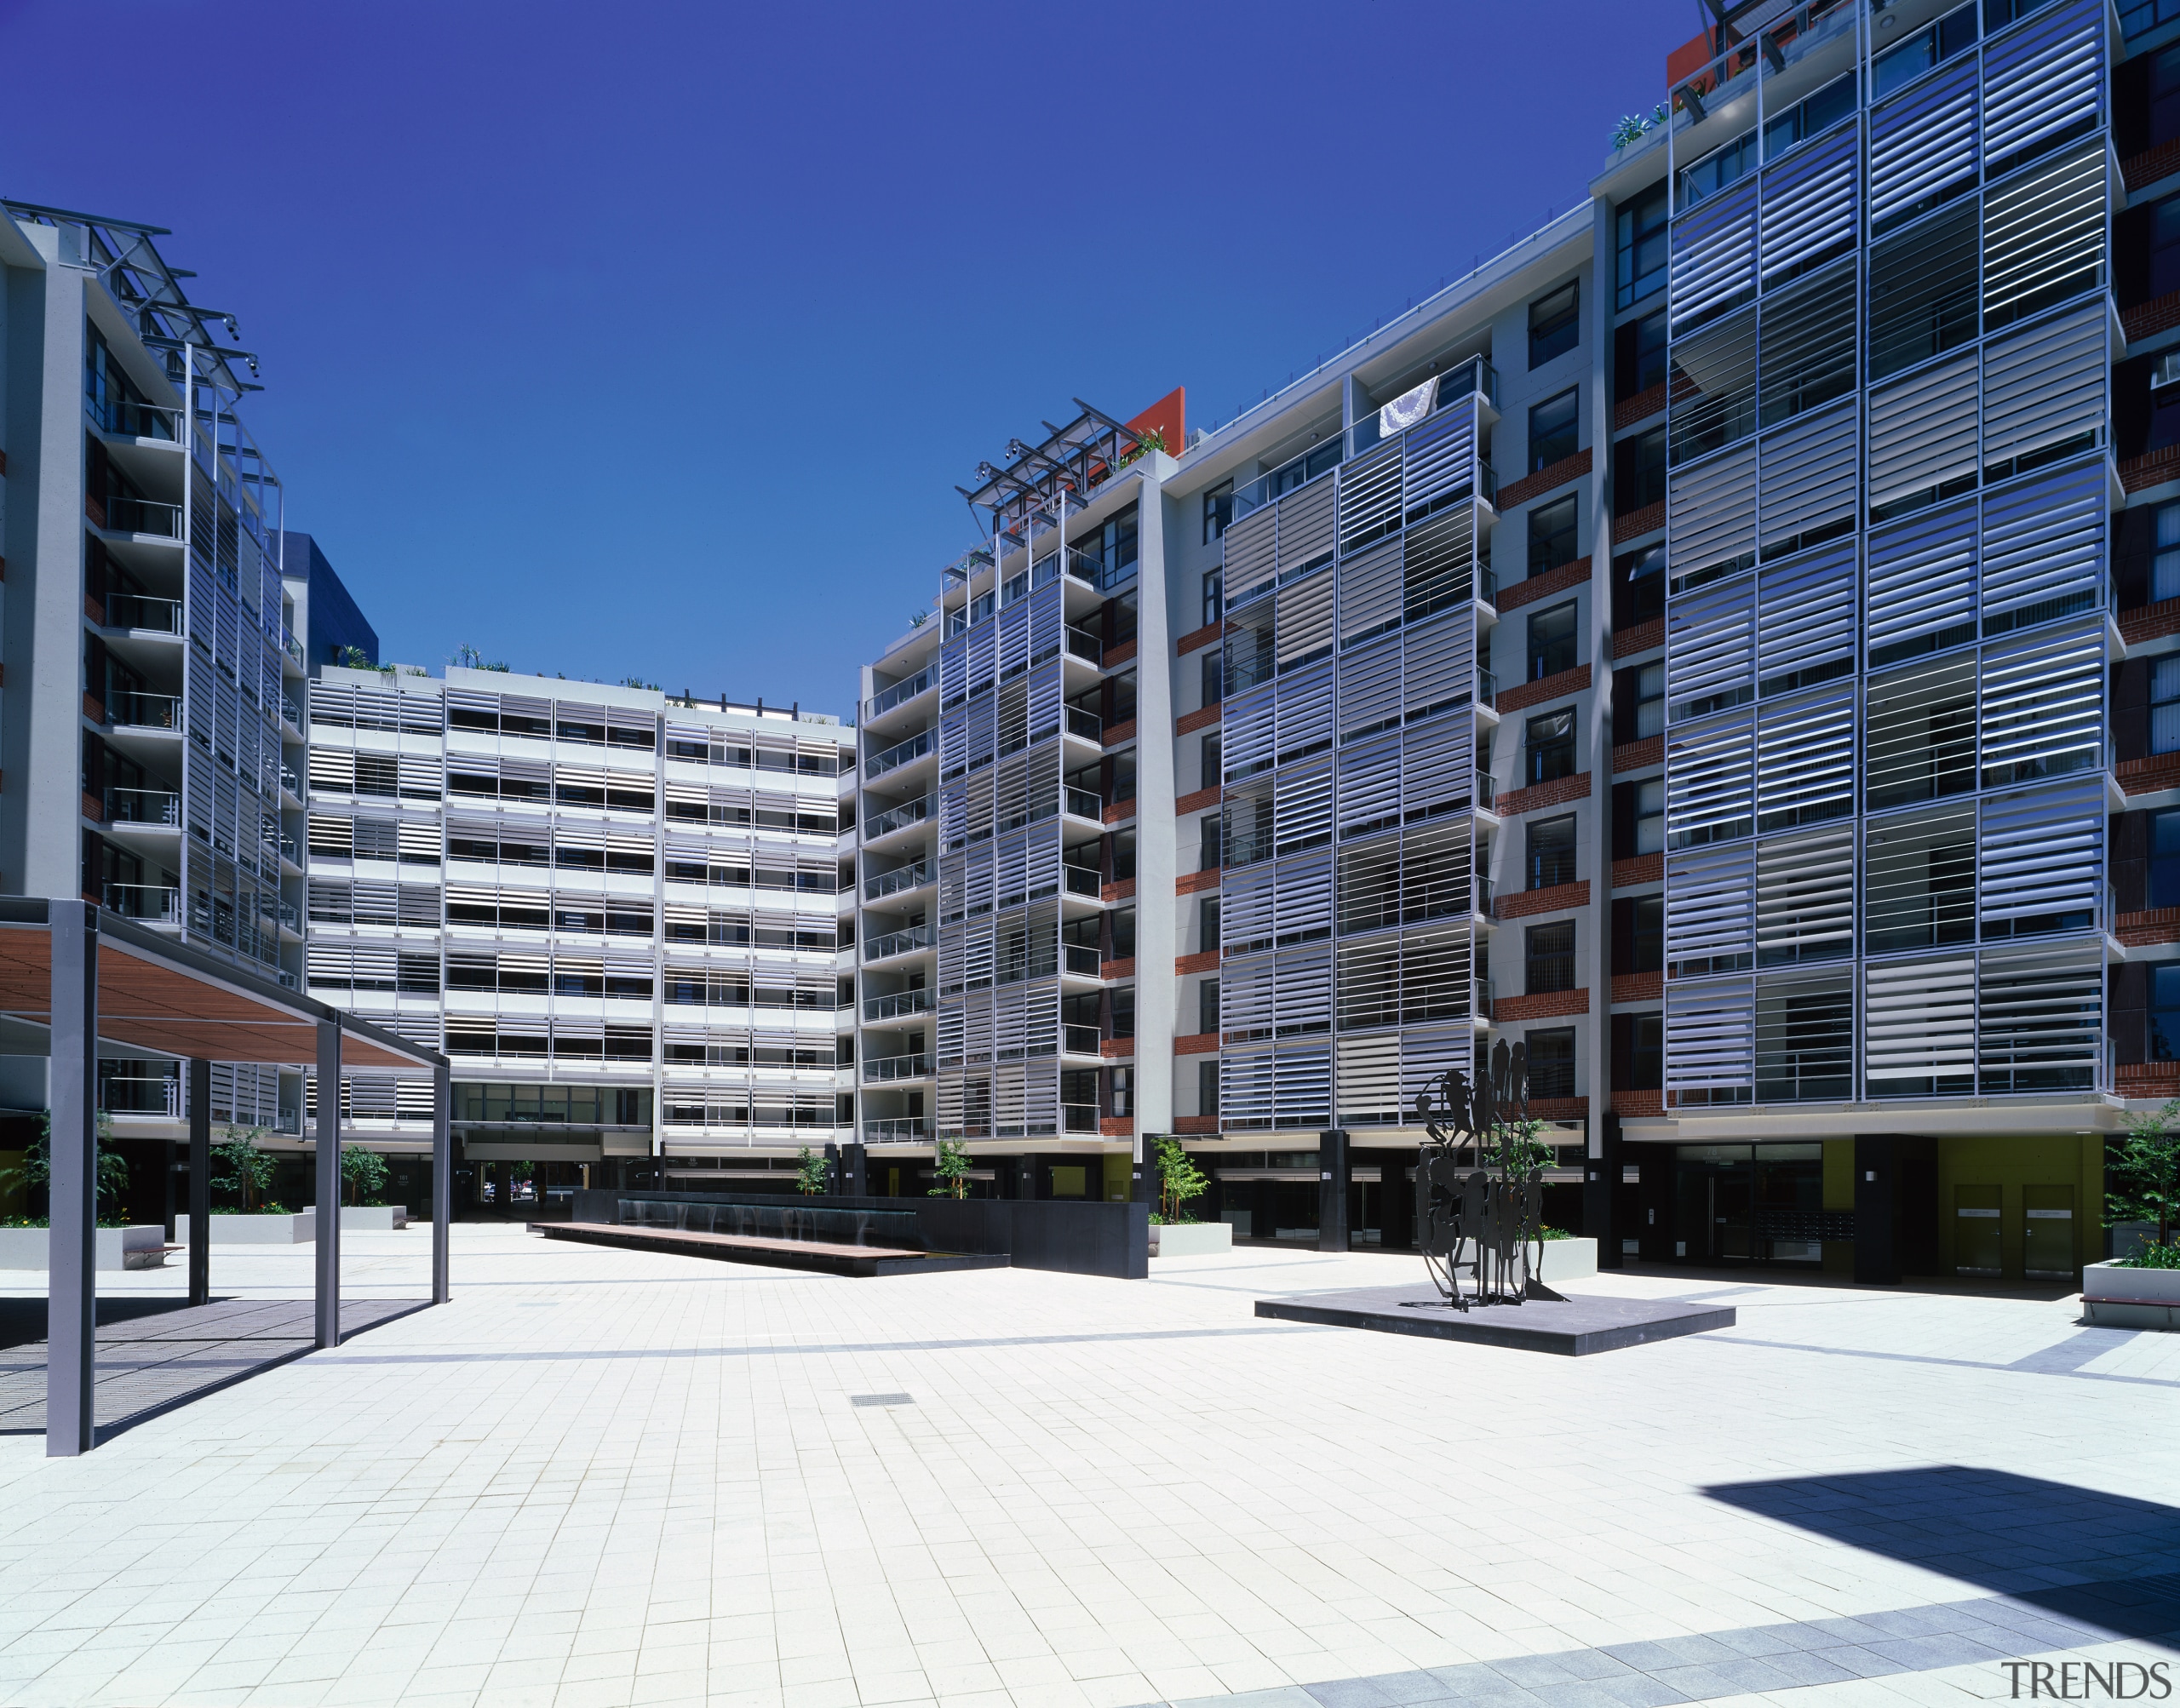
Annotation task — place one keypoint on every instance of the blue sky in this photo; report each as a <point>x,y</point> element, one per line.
<point>652,339</point>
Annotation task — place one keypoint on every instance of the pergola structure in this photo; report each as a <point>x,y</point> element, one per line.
<point>79,974</point>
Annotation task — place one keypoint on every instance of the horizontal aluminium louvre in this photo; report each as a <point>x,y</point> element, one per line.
<point>1923,433</point>
<point>2045,386</point>
<point>1809,205</point>
<point>2043,544</point>
<point>1922,583</point>
<point>2044,79</point>
<point>1713,254</point>
<point>1924,143</point>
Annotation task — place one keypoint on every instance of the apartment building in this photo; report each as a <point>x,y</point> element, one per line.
<point>617,913</point>
<point>1720,642</point>
<point>150,676</point>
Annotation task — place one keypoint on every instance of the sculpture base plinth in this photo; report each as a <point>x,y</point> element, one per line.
<point>1573,1328</point>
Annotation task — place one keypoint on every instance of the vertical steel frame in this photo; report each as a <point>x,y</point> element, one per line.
<point>200,1183</point>
<point>72,1301</point>
<point>442,1180</point>
<point>329,1183</point>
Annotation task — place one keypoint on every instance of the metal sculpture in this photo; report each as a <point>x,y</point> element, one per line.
<point>1479,1186</point>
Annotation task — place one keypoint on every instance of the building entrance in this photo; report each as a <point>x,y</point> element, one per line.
<point>1753,1204</point>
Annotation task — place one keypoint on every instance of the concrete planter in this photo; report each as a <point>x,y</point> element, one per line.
<point>379,1218</point>
<point>1566,1260</point>
<point>2116,1298</point>
<point>297,1229</point>
<point>1191,1238</point>
<point>113,1248</point>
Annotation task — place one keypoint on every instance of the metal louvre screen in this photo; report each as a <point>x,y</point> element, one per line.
<point>1440,460</point>
<point>2042,81</point>
<point>1247,994</point>
<point>1302,901</point>
<point>2043,238</point>
<point>1249,554</point>
<point>1923,143</point>
<point>1806,479</point>
<point>1302,1086</point>
<point>1922,585</point>
<point>1370,788</point>
<point>2039,1020</point>
<point>1712,388</point>
<point>1714,511</point>
<point>2039,858</point>
<point>1923,289</point>
<point>1918,882</point>
<point>1713,256</point>
<point>1302,714</point>
<point>1808,206</point>
<point>1369,498</point>
<point>1369,592</point>
<point>1710,1037</point>
<point>2043,707</point>
<point>1367,692</point>
<point>1245,911</point>
<point>2043,547</point>
<point>1710,650</point>
<point>1437,665</point>
<point>1811,338</point>
<point>1438,565</point>
<point>1923,435</point>
<point>1425,1055</point>
<point>1305,526</point>
<point>1366,1081</point>
<point>1246,730</point>
<point>1245,1089</point>
<point>2044,386</point>
<point>1710,782</point>
<point>1437,763</point>
<point>1805,619</point>
<point>1805,761</point>
<point>1304,1000</point>
<point>1919,1028</point>
<point>1708,924</point>
<point>1302,808</point>
<point>1805,897</point>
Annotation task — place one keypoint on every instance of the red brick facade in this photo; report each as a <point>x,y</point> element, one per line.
<point>1117,969</point>
<point>1639,986</point>
<point>1117,1049</point>
<point>1650,520</point>
<point>1638,755</point>
<point>1553,898</point>
<point>1196,1123</point>
<point>2150,622</point>
<point>1644,637</point>
<point>1190,882</point>
<point>1555,687</point>
<point>1639,408</point>
<point>2158,925</point>
<point>1120,812</point>
<point>2141,170</point>
<point>1207,961</point>
<point>1121,654</point>
<point>1197,639</point>
<point>1643,868</point>
<point>1190,722</point>
<point>1197,802</point>
<point>2140,474</point>
<point>1560,1109</point>
<point>1536,486</point>
<point>2149,1079</point>
<point>1123,892</point>
<point>1571,574</point>
<point>1195,1043</point>
<point>1116,1126</point>
<point>2148,776</point>
<point>1120,732</point>
<point>2158,314</point>
<point>1638,1102</point>
<point>1556,792</point>
<point>1551,1006</point>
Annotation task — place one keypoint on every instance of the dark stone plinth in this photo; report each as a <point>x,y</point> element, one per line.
<point>1574,1327</point>
<point>780,1254</point>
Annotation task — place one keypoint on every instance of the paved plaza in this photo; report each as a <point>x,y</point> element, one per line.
<point>605,1478</point>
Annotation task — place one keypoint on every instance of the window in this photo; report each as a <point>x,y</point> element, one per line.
<point>1555,426</point>
<point>1639,246</point>
<point>1638,702</point>
<point>1639,1052</point>
<point>1639,818</point>
<point>1206,1088</point>
<point>1211,846</point>
<point>1555,324</point>
<point>1638,587</point>
<point>1551,641</point>
<point>1809,117</point>
<point>1638,472</point>
<point>2146,104</point>
<point>1638,356</point>
<point>1211,761</point>
<point>1207,1005</point>
<point>1207,926</point>
<point>1805,1043</point>
<point>1214,597</point>
<point>2164,1012</point>
<point>1549,746</point>
<point>2149,568</point>
<point>2147,251</point>
<point>1551,534</point>
<point>1215,675</point>
<point>2164,859</point>
<point>1551,852</point>
<point>1548,958</point>
<point>1551,1061</point>
<point>2165,706</point>
<point>1717,169</point>
<point>1952,34</point>
<point>1218,512</point>
<point>1639,934</point>
<point>1109,553</point>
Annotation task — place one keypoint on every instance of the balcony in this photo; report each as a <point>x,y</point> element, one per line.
<point>1483,900</point>
<point>139,711</point>
<point>1084,880</point>
<point>123,515</point>
<point>1080,959</point>
<point>142,610</point>
<point>1083,803</point>
<point>901,878</point>
<point>878,704</point>
<point>1480,999</point>
<point>140,1094</point>
<point>897,1129</point>
<point>147,806</point>
<point>1082,644</point>
<point>291,780</point>
<point>292,647</point>
<point>153,903</point>
<point>1081,1041</point>
<point>1087,724</point>
<point>897,818</point>
<point>1482,796</point>
<point>124,418</point>
<point>900,753</point>
<point>291,713</point>
<point>878,1069</point>
<point>900,1003</point>
<point>1078,1117</point>
<point>290,850</point>
<point>898,943</point>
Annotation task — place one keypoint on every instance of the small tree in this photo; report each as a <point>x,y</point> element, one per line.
<point>36,1169</point>
<point>363,1172</point>
<point>1518,1146</point>
<point>1179,1179</point>
<point>811,1176</point>
<point>2142,1180</point>
<point>240,1170</point>
<point>953,1169</point>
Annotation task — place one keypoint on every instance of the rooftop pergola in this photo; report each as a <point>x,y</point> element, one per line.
<point>1041,480</point>
<point>72,976</point>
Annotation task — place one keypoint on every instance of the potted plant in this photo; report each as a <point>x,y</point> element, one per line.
<point>952,1169</point>
<point>363,1179</point>
<point>25,1241</point>
<point>242,1214</point>
<point>1174,1230</point>
<point>811,1176</point>
<point>2141,1185</point>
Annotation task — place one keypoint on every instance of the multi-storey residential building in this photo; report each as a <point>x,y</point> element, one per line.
<point>617,912</point>
<point>150,741</point>
<point>1720,643</point>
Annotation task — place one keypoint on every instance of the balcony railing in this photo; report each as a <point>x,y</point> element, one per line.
<point>1081,958</point>
<point>1483,795</point>
<point>896,1129</point>
<point>1083,803</point>
<point>125,418</point>
<point>899,1003</point>
<point>897,818</point>
<point>898,943</point>
<point>900,753</point>
<point>1084,644</point>
<point>291,712</point>
<point>887,698</point>
<point>1085,880</point>
<point>290,646</point>
<point>1078,1117</point>
<point>1487,687</point>
<point>156,902</point>
<point>143,806</point>
<point>1483,896</point>
<point>1480,995</point>
<point>1081,1041</point>
<point>290,850</point>
<point>877,1070</point>
<point>120,514</point>
<point>291,780</point>
<point>901,878</point>
<point>143,610</point>
<point>1088,724</point>
<point>140,1094</point>
<point>145,711</point>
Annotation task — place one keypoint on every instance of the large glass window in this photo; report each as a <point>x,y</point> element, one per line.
<point>1548,958</point>
<point>1550,851</point>
<point>1549,746</point>
<point>1718,168</point>
<point>1639,934</point>
<point>1555,324</point>
<point>2165,858</point>
<point>1555,429</point>
<point>1214,597</point>
<point>1551,1061</point>
<point>1638,701</point>
<point>1955,33</point>
<point>1639,818</point>
<point>1638,356</point>
<point>1638,587</point>
<point>1639,243</point>
<point>1218,511</point>
<point>1809,117</point>
<point>2164,1012</point>
<point>2165,706</point>
<point>1638,472</point>
<point>1207,1005</point>
<point>1551,534</point>
<point>1552,640</point>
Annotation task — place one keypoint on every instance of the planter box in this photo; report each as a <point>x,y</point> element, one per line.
<point>297,1229</point>
<point>2130,1237</point>
<point>2116,1298</point>
<point>1191,1238</point>
<point>113,1248</point>
<point>1566,1260</point>
<point>379,1217</point>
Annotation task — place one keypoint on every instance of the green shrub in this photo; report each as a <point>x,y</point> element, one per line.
<point>2153,1256</point>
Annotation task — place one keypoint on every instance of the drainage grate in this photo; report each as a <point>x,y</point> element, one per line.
<point>881,1400</point>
